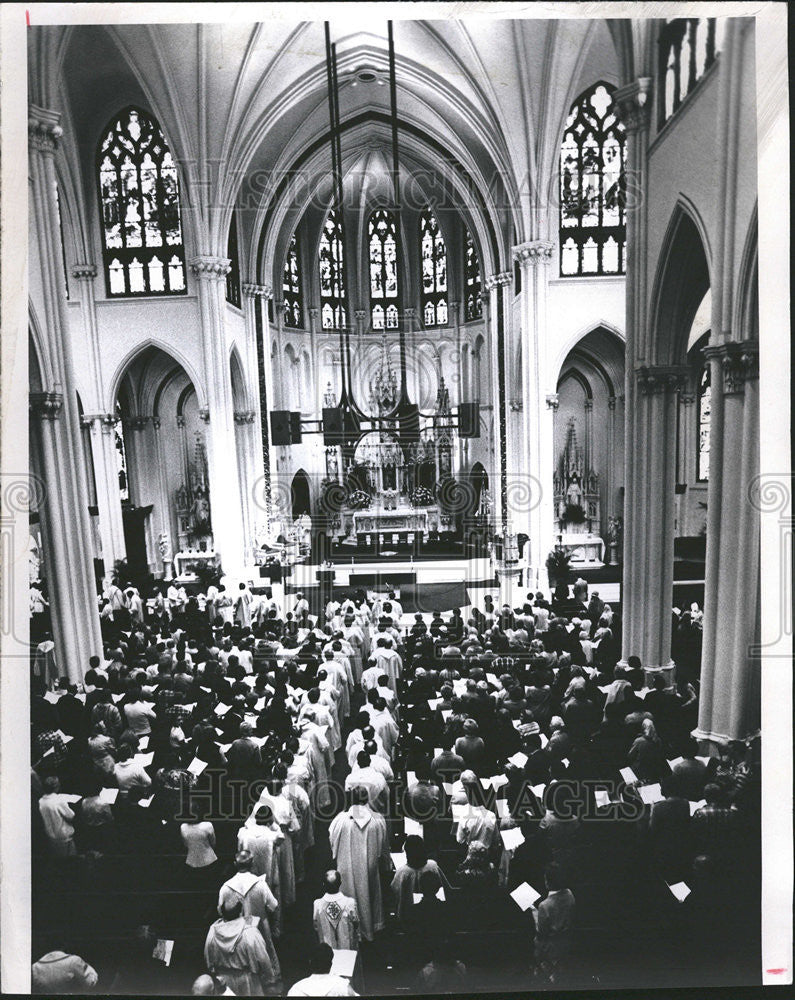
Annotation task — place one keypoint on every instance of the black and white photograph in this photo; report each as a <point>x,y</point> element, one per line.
<point>397,506</point>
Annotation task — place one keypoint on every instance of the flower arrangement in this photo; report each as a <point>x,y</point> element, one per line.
<point>359,500</point>
<point>421,496</point>
<point>573,514</point>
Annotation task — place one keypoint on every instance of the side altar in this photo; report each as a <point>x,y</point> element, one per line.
<point>577,505</point>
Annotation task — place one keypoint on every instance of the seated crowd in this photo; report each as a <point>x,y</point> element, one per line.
<point>427,782</point>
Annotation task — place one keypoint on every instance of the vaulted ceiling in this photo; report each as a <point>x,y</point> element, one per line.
<point>481,102</point>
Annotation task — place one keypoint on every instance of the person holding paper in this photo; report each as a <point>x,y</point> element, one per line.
<point>407,878</point>
<point>139,714</point>
<point>129,772</point>
<point>320,982</point>
<point>360,848</point>
<point>57,817</point>
<point>335,916</point>
<point>646,756</point>
<point>235,952</point>
<point>554,919</point>
<point>477,822</point>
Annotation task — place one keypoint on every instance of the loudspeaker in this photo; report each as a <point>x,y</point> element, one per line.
<point>280,427</point>
<point>295,428</point>
<point>409,423</point>
<point>332,425</point>
<point>469,420</point>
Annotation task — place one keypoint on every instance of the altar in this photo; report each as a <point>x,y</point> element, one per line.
<point>397,519</point>
<point>584,548</point>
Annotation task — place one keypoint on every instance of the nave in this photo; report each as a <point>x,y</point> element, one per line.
<point>129,872</point>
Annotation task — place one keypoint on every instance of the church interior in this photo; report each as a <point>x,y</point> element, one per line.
<point>460,315</point>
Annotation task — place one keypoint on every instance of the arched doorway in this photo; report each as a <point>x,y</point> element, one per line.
<point>299,494</point>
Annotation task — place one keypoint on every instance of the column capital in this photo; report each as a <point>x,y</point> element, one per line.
<point>360,315</point>
<point>157,423</point>
<point>244,416</point>
<point>611,402</point>
<point>254,291</point>
<point>46,405</point>
<point>588,405</point>
<point>655,379</point>
<point>106,421</point>
<point>180,420</point>
<point>84,272</point>
<point>497,280</point>
<point>533,252</point>
<point>687,398</point>
<point>44,129</point>
<point>410,312</point>
<point>314,312</point>
<point>138,423</point>
<point>204,415</point>
<point>739,362</point>
<point>632,104</point>
<point>210,268</point>
<point>553,401</point>
<point>516,405</point>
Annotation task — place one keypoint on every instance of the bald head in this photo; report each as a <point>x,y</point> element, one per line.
<point>332,881</point>
<point>204,986</point>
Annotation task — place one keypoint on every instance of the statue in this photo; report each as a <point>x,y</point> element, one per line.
<point>164,544</point>
<point>200,512</point>
<point>614,538</point>
<point>574,493</point>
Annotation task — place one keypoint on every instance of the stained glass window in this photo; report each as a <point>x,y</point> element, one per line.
<point>688,47</point>
<point>704,413</point>
<point>332,276</point>
<point>474,306</point>
<point>291,285</point>
<point>384,285</point>
<point>233,278</point>
<point>139,201</point>
<point>592,187</point>
<point>433,254</point>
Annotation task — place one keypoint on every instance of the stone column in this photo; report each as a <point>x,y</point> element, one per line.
<point>163,514</point>
<point>73,590</point>
<point>225,506</point>
<point>494,285</point>
<point>67,541</point>
<point>730,660</point>
<point>610,484</point>
<point>244,427</point>
<point>255,310</point>
<point>534,258</point>
<point>632,103</point>
<point>648,604</point>
<point>106,476</point>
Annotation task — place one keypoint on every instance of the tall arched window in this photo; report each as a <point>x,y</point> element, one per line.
<point>433,254</point>
<point>139,202</point>
<point>704,416</point>
<point>291,285</point>
<point>593,230</point>
<point>688,47</point>
<point>233,278</point>
<point>384,286</point>
<point>474,306</point>
<point>332,283</point>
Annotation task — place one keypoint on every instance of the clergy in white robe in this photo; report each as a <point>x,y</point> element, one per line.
<point>387,660</point>
<point>321,715</point>
<point>365,776</point>
<point>286,820</point>
<point>263,841</point>
<point>335,916</point>
<point>235,952</point>
<point>243,603</point>
<point>360,847</point>
<point>256,900</point>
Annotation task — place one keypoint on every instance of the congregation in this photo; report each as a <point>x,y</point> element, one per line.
<point>259,801</point>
